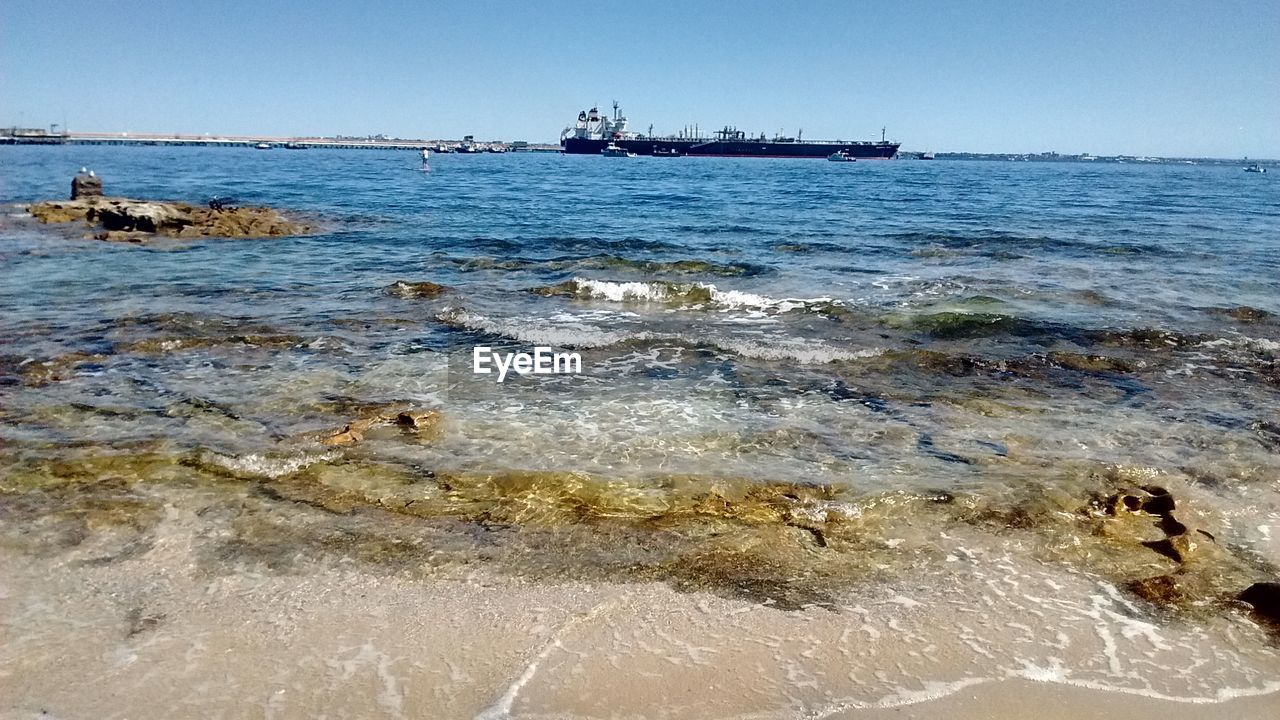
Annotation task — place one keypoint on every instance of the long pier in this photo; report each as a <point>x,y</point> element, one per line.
<point>139,139</point>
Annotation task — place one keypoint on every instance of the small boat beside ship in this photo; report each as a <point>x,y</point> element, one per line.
<point>841,156</point>
<point>594,132</point>
<point>612,150</point>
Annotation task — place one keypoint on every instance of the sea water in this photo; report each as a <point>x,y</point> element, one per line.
<point>800,381</point>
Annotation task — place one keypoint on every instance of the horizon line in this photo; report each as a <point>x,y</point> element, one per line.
<point>382,138</point>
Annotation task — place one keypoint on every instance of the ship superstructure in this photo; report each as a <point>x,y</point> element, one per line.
<point>592,125</point>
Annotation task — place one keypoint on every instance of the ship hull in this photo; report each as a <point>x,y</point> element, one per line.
<point>735,148</point>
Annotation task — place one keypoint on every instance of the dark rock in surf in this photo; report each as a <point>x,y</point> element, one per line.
<point>1159,504</point>
<point>1264,597</point>
<point>415,290</point>
<point>1170,526</point>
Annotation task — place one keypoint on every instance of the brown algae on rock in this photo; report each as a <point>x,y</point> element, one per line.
<point>787,544</point>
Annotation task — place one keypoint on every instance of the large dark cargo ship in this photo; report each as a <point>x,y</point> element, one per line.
<point>594,132</point>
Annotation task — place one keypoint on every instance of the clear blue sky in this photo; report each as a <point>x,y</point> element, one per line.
<point>1159,77</point>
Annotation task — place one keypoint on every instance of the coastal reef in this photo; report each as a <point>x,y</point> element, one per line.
<point>785,544</point>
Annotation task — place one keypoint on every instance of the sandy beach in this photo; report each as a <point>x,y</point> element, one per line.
<point>158,635</point>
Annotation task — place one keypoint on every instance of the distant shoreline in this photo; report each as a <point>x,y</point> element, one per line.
<point>16,136</point>
<point>10,136</point>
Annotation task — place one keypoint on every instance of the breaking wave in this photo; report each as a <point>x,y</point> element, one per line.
<point>570,332</point>
<point>685,295</point>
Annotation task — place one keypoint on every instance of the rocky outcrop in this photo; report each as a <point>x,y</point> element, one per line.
<point>123,219</point>
<point>86,185</point>
<point>150,217</point>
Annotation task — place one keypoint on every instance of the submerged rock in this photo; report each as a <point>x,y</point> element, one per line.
<point>956,325</point>
<point>56,369</point>
<point>1159,590</point>
<point>416,290</point>
<point>1150,339</point>
<point>353,432</point>
<point>785,543</point>
<point>1089,363</point>
<point>1243,313</point>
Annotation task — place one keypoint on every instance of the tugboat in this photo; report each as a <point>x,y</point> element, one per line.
<point>595,131</point>
<point>927,155</point>
<point>612,150</point>
<point>841,156</point>
<point>469,146</point>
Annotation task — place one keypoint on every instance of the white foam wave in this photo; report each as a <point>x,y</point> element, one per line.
<point>1244,342</point>
<point>562,331</point>
<point>803,352</point>
<point>266,466</point>
<point>694,292</point>
<point>538,332</point>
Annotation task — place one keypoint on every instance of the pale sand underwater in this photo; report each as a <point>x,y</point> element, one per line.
<point>156,636</point>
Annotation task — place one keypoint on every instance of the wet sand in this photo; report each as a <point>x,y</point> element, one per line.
<point>1046,701</point>
<point>158,636</point>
